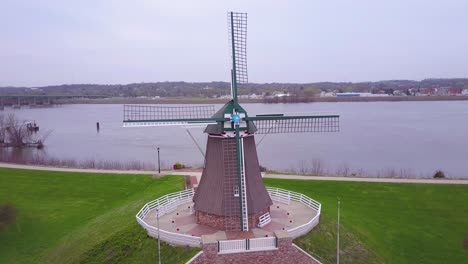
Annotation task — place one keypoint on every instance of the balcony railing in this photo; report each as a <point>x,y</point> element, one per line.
<point>169,203</point>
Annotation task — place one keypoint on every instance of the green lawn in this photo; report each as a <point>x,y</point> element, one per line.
<point>89,218</point>
<point>385,222</point>
<point>65,217</point>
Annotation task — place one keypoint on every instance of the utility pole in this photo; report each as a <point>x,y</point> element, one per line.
<point>159,241</point>
<point>159,163</point>
<point>338,236</point>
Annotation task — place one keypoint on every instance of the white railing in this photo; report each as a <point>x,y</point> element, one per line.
<point>194,257</point>
<point>264,220</point>
<point>246,245</point>
<point>262,243</point>
<point>165,205</point>
<point>232,246</point>
<point>169,203</point>
<point>285,196</point>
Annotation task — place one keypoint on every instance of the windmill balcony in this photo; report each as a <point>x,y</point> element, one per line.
<point>293,212</point>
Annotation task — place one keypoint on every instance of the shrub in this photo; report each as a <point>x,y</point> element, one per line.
<point>178,165</point>
<point>439,175</point>
<point>7,215</point>
<point>263,169</point>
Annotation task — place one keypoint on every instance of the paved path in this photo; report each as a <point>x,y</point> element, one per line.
<point>363,179</point>
<point>45,168</point>
<point>272,176</point>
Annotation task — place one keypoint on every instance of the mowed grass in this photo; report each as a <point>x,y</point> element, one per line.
<point>90,218</point>
<point>80,217</point>
<point>387,223</point>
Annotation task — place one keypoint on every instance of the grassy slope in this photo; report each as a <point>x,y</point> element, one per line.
<point>63,216</point>
<point>76,217</point>
<point>392,223</point>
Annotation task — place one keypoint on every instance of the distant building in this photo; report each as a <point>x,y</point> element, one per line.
<point>454,91</point>
<point>250,96</point>
<point>359,95</point>
<point>464,92</point>
<point>427,91</point>
<point>281,94</point>
<point>347,94</point>
<point>327,94</point>
<point>255,96</point>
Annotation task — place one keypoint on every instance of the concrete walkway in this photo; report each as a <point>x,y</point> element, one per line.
<point>271,176</point>
<point>46,168</point>
<point>364,179</point>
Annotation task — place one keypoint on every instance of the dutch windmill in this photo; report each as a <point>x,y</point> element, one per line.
<point>231,195</point>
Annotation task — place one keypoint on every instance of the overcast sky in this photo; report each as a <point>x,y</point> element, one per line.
<point>52,42</point>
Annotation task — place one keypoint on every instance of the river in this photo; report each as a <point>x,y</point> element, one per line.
<point>375,138</point>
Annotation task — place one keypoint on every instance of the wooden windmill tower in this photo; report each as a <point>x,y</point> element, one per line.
<point>231,195</point>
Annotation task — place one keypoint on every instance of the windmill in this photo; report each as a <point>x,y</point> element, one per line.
<point>231,195</point>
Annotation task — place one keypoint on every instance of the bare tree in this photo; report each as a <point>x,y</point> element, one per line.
<point>317,167</point>
<point>343,170</point>
<point>17,131</point>
<point>2,129</point>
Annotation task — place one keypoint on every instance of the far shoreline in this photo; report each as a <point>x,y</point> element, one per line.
<point>291,100</point>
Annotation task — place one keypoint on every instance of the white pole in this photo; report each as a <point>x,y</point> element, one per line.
<point>338,237</point>
<point>159,242</point>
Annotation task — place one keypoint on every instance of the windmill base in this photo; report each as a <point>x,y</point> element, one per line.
<point>221,222</point>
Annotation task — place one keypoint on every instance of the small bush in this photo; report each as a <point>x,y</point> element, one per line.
<point>7,215</point>
<point>178,165</point>
<point>263,169</point>
<point>439,175</point>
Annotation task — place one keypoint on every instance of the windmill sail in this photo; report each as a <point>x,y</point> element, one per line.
<point>151,115</point>
<point>280,123</point>
<point>237,24</point>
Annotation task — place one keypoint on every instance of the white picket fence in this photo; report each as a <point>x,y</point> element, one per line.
<point>169,203</point>
<point>262,243</point>
<point>245,245</point>
<point>285,196</point>
<point>165,205</point>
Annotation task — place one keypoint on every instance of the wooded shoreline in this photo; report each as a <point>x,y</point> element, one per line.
<point>290,99</point>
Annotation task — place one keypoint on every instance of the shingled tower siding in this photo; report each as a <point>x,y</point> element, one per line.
<point>215,203</point>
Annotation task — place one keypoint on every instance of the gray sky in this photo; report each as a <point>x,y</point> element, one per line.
<point>90,41</point>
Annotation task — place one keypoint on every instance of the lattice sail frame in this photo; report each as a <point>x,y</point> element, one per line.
<point>151,115</point>
<point>237,29</point>
<point>296,124</point>
<point>238,37</point>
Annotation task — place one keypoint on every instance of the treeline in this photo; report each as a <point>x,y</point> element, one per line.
<point>219,89</point>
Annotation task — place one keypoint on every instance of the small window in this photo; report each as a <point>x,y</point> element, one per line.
<point>235,189</point>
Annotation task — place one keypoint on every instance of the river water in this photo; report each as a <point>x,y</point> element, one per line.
<point>376,138</point>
